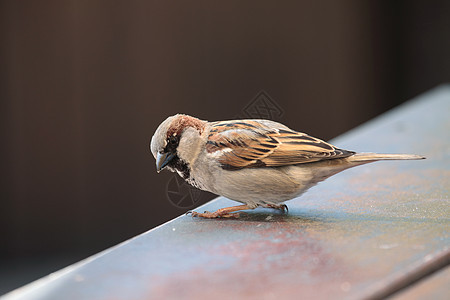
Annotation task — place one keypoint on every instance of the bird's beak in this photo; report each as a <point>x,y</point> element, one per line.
<point>162,159</point>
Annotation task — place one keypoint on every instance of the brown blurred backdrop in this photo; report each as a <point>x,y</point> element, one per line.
<point>85,83</point>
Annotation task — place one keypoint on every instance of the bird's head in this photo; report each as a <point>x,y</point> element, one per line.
<point>177,139</point>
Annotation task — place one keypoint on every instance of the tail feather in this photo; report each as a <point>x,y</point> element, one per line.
<point>361,157</point>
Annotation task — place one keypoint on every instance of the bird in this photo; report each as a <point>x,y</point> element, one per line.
<point>257,162</point>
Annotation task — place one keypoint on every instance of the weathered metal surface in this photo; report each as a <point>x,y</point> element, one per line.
<point>363,233</point>
<point>435,287</point>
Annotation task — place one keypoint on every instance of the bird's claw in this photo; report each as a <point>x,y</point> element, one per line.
<point>213,215</point>
<point>283,207</point>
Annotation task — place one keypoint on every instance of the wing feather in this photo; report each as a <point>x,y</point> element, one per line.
<point>253,143</point>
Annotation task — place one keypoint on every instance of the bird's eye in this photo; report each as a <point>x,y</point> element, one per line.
<point>173,140</point>
<point>172,144</point>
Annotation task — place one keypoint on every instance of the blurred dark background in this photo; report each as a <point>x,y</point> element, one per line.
<point>84,84</point>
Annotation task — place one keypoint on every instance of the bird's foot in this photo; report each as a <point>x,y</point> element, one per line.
<point>227,212</point>
<point>213,215</point>
<point>282,207</point>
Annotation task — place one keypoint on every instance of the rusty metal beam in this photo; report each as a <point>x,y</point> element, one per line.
<point>364,233</point>
<point>436,286</point>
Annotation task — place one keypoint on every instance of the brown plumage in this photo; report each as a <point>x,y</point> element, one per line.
<point>254,145</point>
<point>256,162</point>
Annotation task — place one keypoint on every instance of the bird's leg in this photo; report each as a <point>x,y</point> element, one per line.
<point>282,207</point>
<point>226,212</point>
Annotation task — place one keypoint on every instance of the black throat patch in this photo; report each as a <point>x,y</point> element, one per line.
<point>177,164</point>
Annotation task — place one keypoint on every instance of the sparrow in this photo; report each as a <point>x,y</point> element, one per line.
<point>260,163</point>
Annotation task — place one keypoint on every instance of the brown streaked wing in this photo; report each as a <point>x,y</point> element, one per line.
<point>297,148</point>
<point>250,144</point>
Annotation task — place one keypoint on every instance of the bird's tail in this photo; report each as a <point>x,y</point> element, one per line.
<point>368,157</point>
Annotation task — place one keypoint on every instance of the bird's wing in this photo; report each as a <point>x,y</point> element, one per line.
<point>259,143</point>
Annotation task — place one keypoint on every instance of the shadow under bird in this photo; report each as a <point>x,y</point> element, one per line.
<point>255,162</point>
